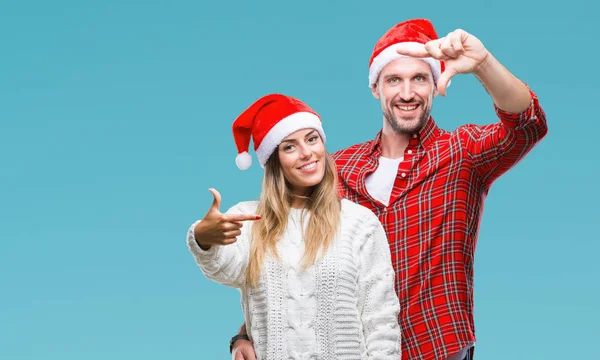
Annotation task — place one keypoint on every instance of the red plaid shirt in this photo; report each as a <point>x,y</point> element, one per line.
<point>432,220</point>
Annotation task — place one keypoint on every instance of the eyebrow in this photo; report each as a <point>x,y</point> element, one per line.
<point>424,74</point>
<point>294,140</point>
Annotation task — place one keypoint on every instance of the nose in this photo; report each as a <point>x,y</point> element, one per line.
<point>406,91</point>
<point>305,151</point>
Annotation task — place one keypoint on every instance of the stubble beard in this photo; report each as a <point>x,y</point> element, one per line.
<point>397,123</point>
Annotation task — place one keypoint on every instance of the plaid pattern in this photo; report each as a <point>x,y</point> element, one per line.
<point>432,221</point>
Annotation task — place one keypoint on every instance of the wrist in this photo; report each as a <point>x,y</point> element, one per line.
<point>204,247</point>
<point>236,338</point>
<point>484,67</point>
<point>198,229</point>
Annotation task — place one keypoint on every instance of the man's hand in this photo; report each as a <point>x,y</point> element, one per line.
<point>217,228</point>
<point>461,52</point>
<point>243,350</point>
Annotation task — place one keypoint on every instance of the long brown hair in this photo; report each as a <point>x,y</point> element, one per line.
<point>323,204</point>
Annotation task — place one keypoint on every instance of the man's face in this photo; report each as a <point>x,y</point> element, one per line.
<point>405,89</point>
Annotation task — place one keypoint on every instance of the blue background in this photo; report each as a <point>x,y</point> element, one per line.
<point>115,119</point>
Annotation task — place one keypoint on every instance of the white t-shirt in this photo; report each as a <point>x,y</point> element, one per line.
<point>381,182</point>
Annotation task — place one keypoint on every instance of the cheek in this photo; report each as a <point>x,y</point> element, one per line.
<point>319,149</point>
<point>287,162</point>
<point>386,94</point>
<point>427,94</point>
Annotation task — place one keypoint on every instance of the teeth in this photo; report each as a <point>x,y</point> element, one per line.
<point>309,166</point>
<point>407,108</point>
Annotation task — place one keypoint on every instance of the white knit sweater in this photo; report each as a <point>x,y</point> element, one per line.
<point>342,307</point>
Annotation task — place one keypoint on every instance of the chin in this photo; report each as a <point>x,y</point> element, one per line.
<point>311,180</point>
<point>409,126</point>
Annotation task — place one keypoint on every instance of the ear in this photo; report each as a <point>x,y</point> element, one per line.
<point>375,91</point>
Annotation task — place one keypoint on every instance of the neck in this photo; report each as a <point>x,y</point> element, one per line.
<point>393,144</point>
<point>300,198</point>
<point>298,203</point>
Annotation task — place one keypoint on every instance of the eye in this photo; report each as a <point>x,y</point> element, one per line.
<point>287,148</point>
<point>313,139</point>
<point>420,78</point>
<point>393,80</point>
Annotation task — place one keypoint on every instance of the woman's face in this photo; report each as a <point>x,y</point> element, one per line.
<point>302,157</point>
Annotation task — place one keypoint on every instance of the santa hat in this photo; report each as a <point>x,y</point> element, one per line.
<point>268,121</point>
<point>411,33</point>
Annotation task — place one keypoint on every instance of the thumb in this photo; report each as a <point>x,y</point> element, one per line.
<point>216,205</point>
<point>442,83</point>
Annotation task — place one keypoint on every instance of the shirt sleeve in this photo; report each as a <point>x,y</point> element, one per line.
<point>494,149</point>
<point>224,264</point>
<point>378,300</point>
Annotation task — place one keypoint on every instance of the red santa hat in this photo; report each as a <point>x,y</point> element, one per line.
<point>268,121</point>
<point>411,33</point>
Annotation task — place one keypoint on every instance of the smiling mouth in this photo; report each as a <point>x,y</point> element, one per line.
<point>407,107</point>
<point>308,166</point>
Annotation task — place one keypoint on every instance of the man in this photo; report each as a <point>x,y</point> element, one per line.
<point>427,185</point>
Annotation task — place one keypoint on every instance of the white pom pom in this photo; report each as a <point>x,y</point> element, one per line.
<point>243,160</point>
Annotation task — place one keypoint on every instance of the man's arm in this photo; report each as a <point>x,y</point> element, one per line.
<point>507,91</point>
<point>495,148</point>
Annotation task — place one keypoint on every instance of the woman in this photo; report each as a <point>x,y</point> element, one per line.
<point>314,270</point>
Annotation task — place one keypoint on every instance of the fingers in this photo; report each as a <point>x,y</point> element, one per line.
<point>216,205</point>
<point>457,43</point>
<point>230,226</point>
<point>434,48</point>
<point>249,353</point>
<point>243,350</point>
<point>232,233</point>
<point>241,217</point>
<point>228,241</point>
<point>444,79</point>
<point>408,50</point>
<point>447,48</point>
<point>237,355</point>
<point>452,45</point>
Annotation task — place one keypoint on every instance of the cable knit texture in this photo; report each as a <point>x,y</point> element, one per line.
<point>342,307</point>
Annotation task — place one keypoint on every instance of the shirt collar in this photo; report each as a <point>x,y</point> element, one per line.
<point>428,133</point>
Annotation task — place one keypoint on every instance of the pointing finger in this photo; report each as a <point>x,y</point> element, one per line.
<point>241,217</point>
<point>408,50</point>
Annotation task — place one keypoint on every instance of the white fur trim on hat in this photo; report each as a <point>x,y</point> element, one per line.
<point>389,54</point>
<point>288,125</point>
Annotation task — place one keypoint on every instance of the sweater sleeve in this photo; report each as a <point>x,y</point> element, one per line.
<point>378,300</point>
<point>224,264</point>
